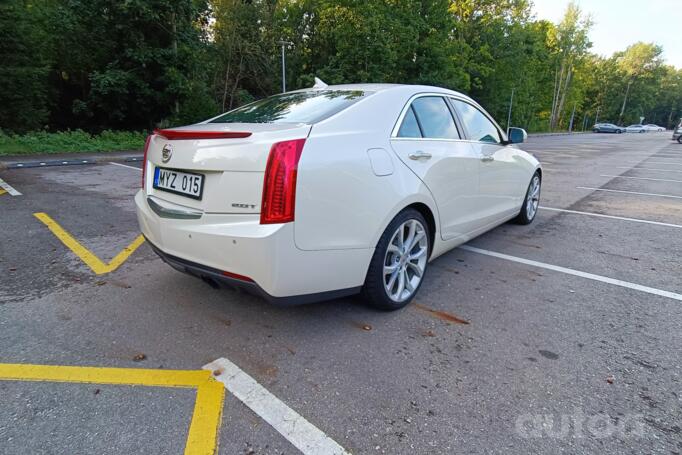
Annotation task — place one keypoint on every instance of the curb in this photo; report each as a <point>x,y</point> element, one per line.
<point>71,159</point>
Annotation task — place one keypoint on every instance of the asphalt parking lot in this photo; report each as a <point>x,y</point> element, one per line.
<point>559,337</point>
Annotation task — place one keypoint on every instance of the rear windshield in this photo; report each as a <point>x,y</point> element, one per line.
<point>298,107</point>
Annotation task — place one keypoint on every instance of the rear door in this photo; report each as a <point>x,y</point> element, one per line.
<point>501,178</point>
<point>428,141</point>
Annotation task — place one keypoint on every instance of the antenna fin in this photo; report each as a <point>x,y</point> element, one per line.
<point>319,83</point>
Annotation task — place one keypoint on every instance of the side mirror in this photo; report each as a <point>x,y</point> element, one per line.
<point>516,135</point>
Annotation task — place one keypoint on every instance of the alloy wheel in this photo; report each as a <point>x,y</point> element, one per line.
<point>533,198</point>
<point>405,260</point>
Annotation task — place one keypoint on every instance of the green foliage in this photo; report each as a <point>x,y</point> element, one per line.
<point>70,141</point>
<point>137,64</point>
<point>23,68</point>
<point>129,64</point>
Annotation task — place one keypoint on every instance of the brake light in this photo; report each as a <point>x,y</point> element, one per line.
<point>144,158</point>
<point>173,135</point>
<point>279,186</point>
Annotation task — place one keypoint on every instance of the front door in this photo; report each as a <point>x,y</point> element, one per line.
<point>499,173</point>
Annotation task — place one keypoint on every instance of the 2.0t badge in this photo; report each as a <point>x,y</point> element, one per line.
<point>166,153</point>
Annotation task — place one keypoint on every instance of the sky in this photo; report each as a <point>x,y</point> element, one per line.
<point>617,24</point>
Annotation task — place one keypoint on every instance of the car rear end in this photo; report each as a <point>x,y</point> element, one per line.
<point>200,205</point>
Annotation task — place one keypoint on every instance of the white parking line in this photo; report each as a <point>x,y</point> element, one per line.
<point>648,169</point>
<point>125,165</point>
<point>7,187</point>
<point>306,437</point>
<point>589,276</point>
<point>641,178</point>
<point>601,215</point>
<point>628,192</point>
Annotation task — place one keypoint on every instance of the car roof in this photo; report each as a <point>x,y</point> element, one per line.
<point>372,87</point>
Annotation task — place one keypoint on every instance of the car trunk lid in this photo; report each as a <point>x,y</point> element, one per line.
<point>231,158</point>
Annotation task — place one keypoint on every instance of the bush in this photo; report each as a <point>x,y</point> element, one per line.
<point>70,141</point>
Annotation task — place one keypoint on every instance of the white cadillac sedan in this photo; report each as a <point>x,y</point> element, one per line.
<point>333,191</point>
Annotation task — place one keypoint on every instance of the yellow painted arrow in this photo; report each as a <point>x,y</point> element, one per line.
<point>2,191</point>
<point>83,253</point>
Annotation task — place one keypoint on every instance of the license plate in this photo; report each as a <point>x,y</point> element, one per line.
<point>179,182</point>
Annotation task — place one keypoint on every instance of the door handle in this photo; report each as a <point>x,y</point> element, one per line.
<point>418,155</point>
<point>487,158</point>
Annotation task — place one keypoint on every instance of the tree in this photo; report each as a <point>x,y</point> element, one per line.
<point>24,69</point>
<point>638,61</point>
<point>571,43</point>
<point>130,64</point>
<point>245,53</point>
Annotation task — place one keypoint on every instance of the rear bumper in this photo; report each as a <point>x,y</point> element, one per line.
<point>212,244</point>
<point>215,277</point>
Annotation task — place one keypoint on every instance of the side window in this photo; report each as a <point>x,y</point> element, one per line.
<point>409,127</point>
<point>479,127</point>
<point>434,118</point>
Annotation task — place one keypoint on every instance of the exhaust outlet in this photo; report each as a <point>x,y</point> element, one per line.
<point>210,281</point>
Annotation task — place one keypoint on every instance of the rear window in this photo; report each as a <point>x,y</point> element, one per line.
<point>298,107</point>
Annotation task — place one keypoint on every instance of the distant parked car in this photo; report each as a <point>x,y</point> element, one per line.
<point>652,127</point>
<point>607,128</point>
<point>636,129</point>
<point>677,132</point>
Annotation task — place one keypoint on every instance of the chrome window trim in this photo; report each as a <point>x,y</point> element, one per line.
<point>428,139</point>
<point>174,212</point>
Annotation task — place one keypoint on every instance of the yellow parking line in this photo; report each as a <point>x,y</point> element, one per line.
<point>125,376</point>
<point>203,431</point>
<point>87,256</point>
<point>202,438</point>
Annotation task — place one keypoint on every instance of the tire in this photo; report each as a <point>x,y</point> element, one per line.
<point>382,290</point>
<point>527,215</point>
<point>619,131</point>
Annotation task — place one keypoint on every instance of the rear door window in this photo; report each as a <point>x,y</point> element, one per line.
<point>434,118</point>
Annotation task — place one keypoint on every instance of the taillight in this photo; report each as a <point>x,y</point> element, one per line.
<point>279,186</point>
<point>144,158</point>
